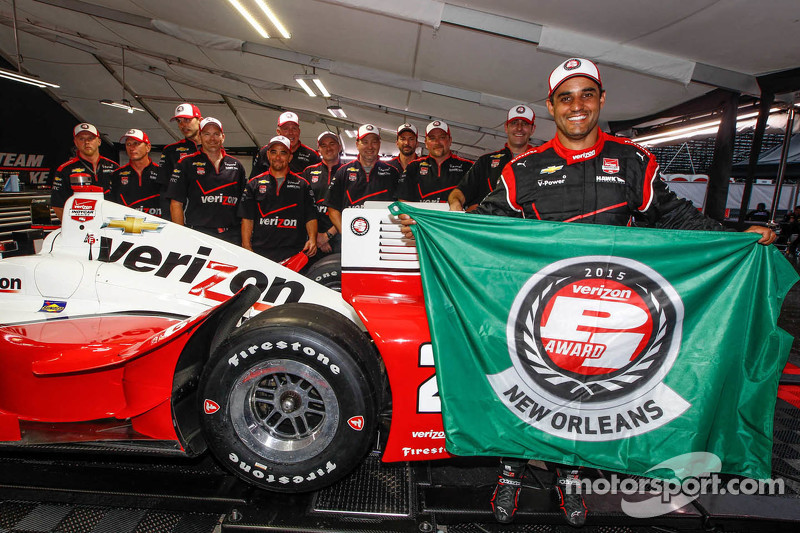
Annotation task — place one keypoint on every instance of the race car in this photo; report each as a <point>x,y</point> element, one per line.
<point>127,332</point>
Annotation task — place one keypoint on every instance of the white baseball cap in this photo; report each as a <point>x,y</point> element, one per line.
<point>522,112</point>
<point>368,129</point>
<point>328,133</point>
<point>85,126</point>
<point>288,116</point>
<point>137,135</point>
<point>571,68</point>
<point>280,139</point>
<point>437,125</point>
<point>211,120</point>
<point>406,127</point>
<point>186,110</point>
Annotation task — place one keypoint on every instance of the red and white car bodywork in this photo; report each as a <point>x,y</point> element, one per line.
<point>122,327</point>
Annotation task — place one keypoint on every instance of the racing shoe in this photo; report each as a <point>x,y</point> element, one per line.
<point>506,492</point>
<point>569,497</point>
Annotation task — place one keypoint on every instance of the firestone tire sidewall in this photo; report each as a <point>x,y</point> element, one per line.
<point>248,358</point>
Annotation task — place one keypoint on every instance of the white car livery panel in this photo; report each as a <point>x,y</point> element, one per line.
<point>108,258</point>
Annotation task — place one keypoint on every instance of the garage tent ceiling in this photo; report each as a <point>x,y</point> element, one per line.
<point>386,62</point>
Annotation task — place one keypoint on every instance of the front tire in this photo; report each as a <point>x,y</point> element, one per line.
<point>290,400</point>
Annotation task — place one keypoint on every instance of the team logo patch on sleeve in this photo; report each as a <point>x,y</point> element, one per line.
<point>591,340</point>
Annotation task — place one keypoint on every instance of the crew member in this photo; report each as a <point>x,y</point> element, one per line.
<point>482,178</point>
<point>601,180</point>
<point>188,117</point>
<point>407,144</point>
<point>366,178</point>
<point>136,184</point>
<point>277,210</point>
<point>431,178</point>
<point>206,186</point>
<point>87,164</point>
<point>319,176</point>
<point>302,155</point>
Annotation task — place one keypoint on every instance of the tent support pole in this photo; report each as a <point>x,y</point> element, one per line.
<point>787,138</point>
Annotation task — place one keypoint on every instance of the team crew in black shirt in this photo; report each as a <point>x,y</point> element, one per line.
<point>278,215</point>
<point>431,178</point>
<point>302,155</point>
<point>87,166</point>
<point>366,178</point>
<point>188,117</point>
<point>136,184</point>
<point>319,176</point>
<point>206,186</point>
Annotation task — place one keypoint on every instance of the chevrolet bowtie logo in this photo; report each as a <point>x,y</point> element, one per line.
<point>551,169</point>
<point>133,225</point>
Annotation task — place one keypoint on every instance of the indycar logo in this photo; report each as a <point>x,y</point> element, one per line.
<point>131,225</point>
<point>591,340</point>
<point>210,407</point>
<point>83,210</point>
<point>495,163</point>
<point>610,166</point>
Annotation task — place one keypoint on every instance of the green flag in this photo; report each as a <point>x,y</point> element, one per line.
<point>602,346</point>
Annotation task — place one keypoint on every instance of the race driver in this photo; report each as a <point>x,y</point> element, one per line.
<point>188,117</point>
<point>407,144</point>
<point>431,178</point>
<point>319,176</point>
<point>278,215</point>
<point>366,178</point>
<point>136,184</point>
<point>87,165</point>
<point>302,155</point>
<point>206,186</point>
<point>582,175</point>
<point>482,178</point>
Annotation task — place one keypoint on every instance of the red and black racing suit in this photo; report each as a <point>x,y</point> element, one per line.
<point>613,182</point>
<point>137,190</point>
<point>482,178</point>
<point>79,167</point>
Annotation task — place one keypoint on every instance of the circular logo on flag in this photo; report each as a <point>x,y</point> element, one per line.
<point>359,226</point>
<point>572,64</point>
<point>595,329</point>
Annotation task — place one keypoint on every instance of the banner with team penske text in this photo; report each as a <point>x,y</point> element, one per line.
<point>602,346</point>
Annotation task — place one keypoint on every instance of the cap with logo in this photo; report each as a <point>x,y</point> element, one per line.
<point>137,135</point>
<point>572,68</point>
<point>211,120</point>
<point>288,117</point>
<point>329,134</point>
<point>85,126</point>
<point>406,127</point>
<point>280,139</point>
<point>368,129</point>
<point>187,110</point>
<point>522,112</point>
<point>437,125</point>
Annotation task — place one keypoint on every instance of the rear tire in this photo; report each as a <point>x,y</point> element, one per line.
<point>327,271</point>
<point>290,400</point>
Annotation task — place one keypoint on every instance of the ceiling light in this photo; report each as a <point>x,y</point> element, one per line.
<point>303,79</point>
<point>336,111</point>
<point>249,18</point>
<point>703,128</point>
<point>274,19</point>
<point>351,133</point>
<point>22,78</point>
<point>125,104</point>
